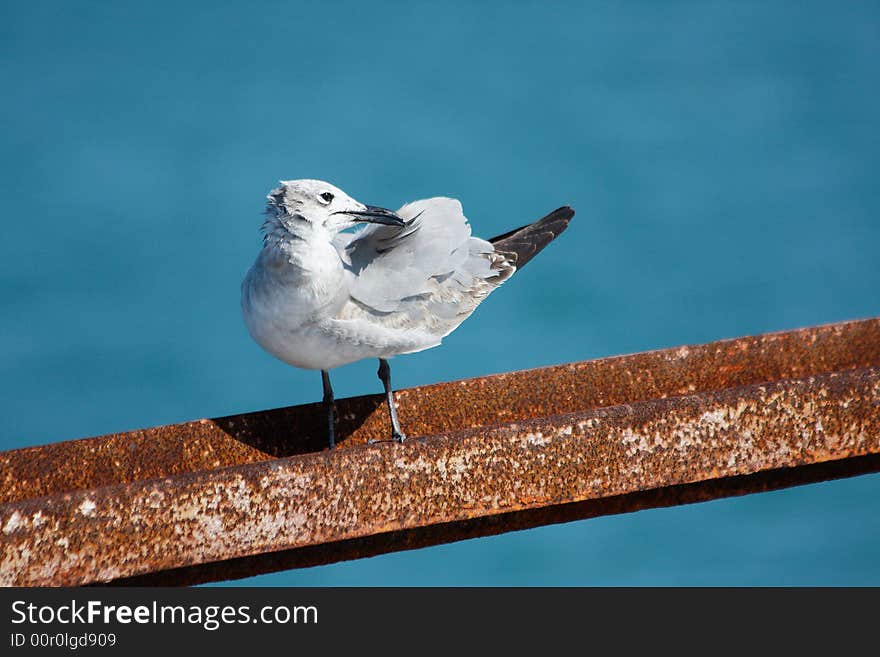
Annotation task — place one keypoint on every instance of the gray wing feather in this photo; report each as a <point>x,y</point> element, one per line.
<point>391,265</point>
<point>431,274</point>
<point>428,277</point>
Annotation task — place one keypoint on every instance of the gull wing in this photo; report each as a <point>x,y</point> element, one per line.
<point>411,286</point>
<point>434,257</point>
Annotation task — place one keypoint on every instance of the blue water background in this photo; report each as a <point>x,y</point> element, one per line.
<point>722,159</point>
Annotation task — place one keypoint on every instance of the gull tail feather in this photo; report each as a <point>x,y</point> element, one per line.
<point>525,242</point>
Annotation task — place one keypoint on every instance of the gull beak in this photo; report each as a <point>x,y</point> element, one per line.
<point>375,215</point>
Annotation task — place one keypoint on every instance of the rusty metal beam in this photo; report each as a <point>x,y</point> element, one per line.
<point>212,500</point>
<point>436,409</point>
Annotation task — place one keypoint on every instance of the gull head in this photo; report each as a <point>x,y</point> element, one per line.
<point>297,206</point>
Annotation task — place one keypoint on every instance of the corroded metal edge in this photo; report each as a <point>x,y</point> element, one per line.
<point>421,537</point>
<point>437,409</point>
<point>525,466</point>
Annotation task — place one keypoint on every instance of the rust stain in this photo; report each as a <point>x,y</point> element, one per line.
<point>520,467</point>
<point>437,409</point>
<point>418,537</point>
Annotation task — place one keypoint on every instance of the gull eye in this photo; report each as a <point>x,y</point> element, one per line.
<point>326,197</point>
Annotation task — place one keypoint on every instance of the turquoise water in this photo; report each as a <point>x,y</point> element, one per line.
<point>722,159</point>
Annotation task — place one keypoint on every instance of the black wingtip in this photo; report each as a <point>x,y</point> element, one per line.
<point>565,210</point>
<point>525,242</point>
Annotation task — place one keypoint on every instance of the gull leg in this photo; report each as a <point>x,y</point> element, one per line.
<point>330,403</point>
<point>385,376</point>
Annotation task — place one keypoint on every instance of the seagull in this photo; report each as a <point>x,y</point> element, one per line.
<point>320,296</point>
